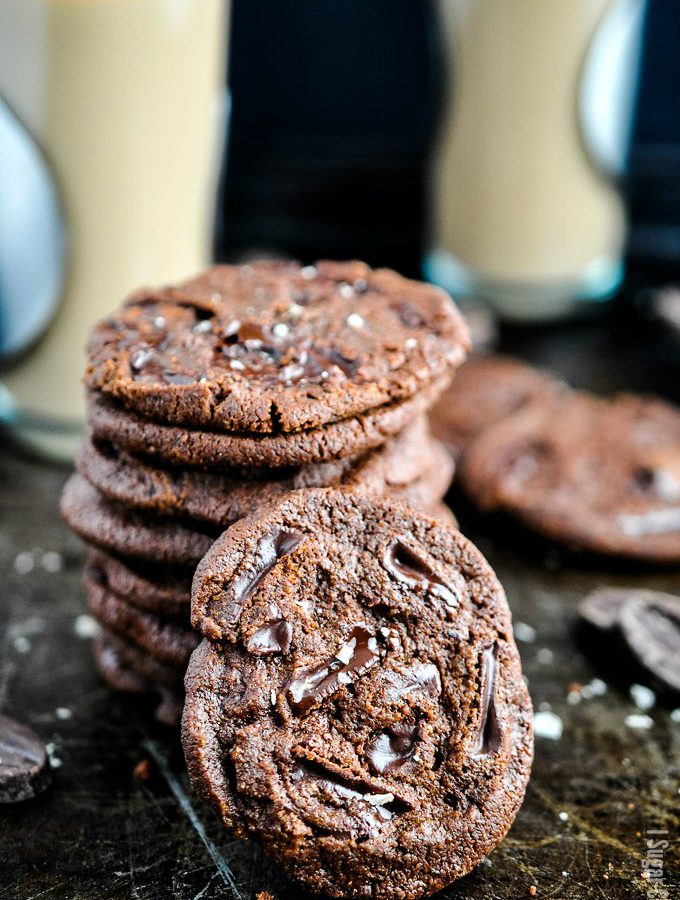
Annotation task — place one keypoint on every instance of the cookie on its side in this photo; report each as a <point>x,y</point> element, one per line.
<point>594,474</point>
<point>359,706</point>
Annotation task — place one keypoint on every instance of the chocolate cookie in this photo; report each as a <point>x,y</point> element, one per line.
<point>203,448</point>
<point>598,475</point>
<point>149,587</point>
<point>118,673</point>
<point>362,712</point>
<point>271,347</point>
<point>131,657</point>
<point>411,460</point>
<point>162,638</point>
<point>111,527</point>
<point>485,390</point>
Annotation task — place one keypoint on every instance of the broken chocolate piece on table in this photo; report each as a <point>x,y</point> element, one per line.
<point>24,765</point>
<point>639,629</point>
<point>383,748</point>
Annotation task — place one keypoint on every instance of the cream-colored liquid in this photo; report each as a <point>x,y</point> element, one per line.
<point>126,99</point>
<point>516,198</point>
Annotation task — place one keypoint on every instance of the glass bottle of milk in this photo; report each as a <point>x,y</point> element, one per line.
<point>111,127</point>
<point>525,208</point>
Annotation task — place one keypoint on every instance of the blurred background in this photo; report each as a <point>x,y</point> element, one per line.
<point>525,155</point>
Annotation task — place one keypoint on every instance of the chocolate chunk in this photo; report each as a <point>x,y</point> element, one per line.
<point>275,637</point>
<point>377,806</point>
<point>489,735</point>
<point>353,658</point>
<point>404,563</point>
<point>24,767</point>
<point>270,550</point>
<point>601,608</point>
<point>650,624</point>
<point>393,747</point>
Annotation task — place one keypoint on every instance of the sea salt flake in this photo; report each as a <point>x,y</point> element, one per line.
<point>308,272</point>
<point>411,343</point>
<point>344,654</point>
<point>85,626</point>
<point>159,322</point>
<point>202,327</point>
<point>524,632</point>
<point>280,329</point>
<point>237,365</point>
<point>344,677</point>
<point>379,799</point>
<point>52,561</point>
<point>564,817</point>
<point>24,562</point>
<point>346,290</point>
<point>548,725</point>
<point>639,722</point>
<point>63,713</point>
<point>52,751</point>
<point>675,715</point>
<point>354,320</point>
<point>642,696</point>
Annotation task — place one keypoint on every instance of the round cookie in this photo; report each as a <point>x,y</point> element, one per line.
<point>272,347</point>
<point>164,639</point>
<point>359,707</point>
<point>119,675</point>
<point>411,463</point>
<point>594,474</point>
<point>118,530</point>
<point>485,390</point>
<point>149,587</point>
<point>180,446</point>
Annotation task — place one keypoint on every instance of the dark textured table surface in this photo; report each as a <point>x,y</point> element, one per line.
<point>101,832</point>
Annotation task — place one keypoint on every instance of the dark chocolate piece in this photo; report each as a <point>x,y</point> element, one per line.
<point>650,624</point>
<point>409,567</point>
<point>355,656</point>
<point>270,550</point>
<point>489,735</point>
<point>24,765</point>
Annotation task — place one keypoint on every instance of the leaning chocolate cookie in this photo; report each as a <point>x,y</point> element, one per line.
<point>272,347</point>
<point>359,706</point>
<point>594,474</point>
<point>485,390</point>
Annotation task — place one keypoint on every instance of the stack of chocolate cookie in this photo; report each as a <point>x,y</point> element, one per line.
<point>212,398</point>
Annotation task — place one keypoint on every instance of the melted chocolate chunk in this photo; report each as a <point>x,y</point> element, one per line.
<point>489,735</point>
<point>404,563</point>
<point>353,658</point>
<point>275,637</point>
<point>379,806</point>
<point>269,551</point>
<point>393,747</point>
